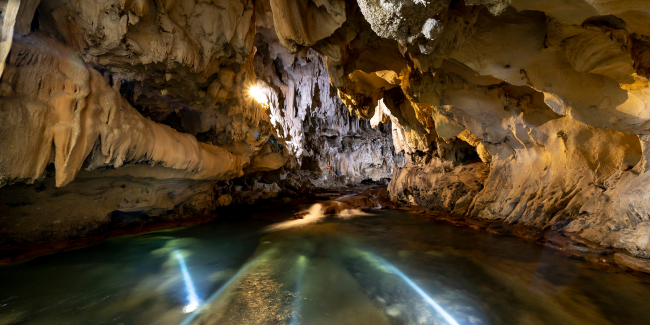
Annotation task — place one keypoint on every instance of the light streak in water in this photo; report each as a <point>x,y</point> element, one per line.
<point>417,289</point>
<point>301,265</point>
<point>243,270</point>
<point>192,299</point>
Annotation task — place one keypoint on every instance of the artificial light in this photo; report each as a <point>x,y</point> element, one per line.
<point>258,94</point>
<point>192,299</point>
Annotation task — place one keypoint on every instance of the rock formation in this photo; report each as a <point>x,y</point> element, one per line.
<point>312,120</point>
<point>125,110</point>
<point>524,111</point>
<point>555,104</point>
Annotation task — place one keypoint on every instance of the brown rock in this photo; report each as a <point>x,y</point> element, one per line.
<point>300,215</point>
<point>637,264</point>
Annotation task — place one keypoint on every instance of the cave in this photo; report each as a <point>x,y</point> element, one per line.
<point>324,162</point>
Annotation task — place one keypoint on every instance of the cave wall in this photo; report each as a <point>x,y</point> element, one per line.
<point>553,97</point>
<point>95,84</point>
<point>118,112</point>
<point>311,119</point>
<point>530,112</point>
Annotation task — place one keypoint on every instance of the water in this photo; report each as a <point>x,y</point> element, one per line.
<point>389,267</point>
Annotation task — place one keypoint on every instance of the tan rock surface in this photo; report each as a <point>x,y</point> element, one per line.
<point>550,99</point>
<point>553,95</point>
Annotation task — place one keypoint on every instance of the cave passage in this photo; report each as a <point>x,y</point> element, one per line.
<point>385,267</point>
<point>325,162</point>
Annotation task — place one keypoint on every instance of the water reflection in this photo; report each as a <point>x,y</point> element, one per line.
<point>387,268</point>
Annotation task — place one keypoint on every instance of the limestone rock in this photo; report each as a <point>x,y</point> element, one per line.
<point>553,97</point>
<point>439,186</point>
<point>524,111</point>
<point>98,201</point>
<point>301,23</point>
<point>316,126</point>
<point>73,110</point>
<point>635,264</point>
<point>224,200</point>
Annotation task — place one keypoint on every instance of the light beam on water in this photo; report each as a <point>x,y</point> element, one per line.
<point>192,299</point>
<point>424,295</point>
<point>417,289</point>
<point>301,265</point>
<point>241,271</point>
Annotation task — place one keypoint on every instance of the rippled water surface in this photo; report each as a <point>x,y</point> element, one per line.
<point>389,267</point>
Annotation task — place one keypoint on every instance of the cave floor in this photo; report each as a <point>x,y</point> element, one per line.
<point>382,267</point>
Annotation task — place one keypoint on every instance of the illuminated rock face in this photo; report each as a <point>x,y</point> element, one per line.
<point>553,97</point>
<point>533,113</point>
<point>313,122</point>
<point>142,108</point>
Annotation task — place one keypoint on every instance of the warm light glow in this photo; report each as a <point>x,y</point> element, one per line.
<point>192,299</point>
<point>258,94</point>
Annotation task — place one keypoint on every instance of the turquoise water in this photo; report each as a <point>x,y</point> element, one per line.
<point>390,267</point>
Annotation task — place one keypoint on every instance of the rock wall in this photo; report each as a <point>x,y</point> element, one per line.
<point>439,185</point>
<point>96,202</point>
<point>114,83</point>
<point>525,111</point>
<point>313,122</point>
<point>140,110</point>
<point>552,97</point>
<point>124,108</point>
